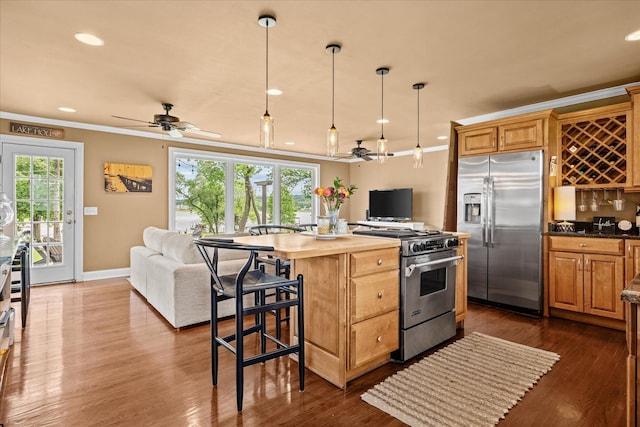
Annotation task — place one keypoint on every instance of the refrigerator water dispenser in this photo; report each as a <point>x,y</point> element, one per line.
<point>472,208</point>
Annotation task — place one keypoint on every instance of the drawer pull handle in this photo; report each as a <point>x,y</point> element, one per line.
<point>379,339</point>
<point>583,245</point>
<point>380,295</point>
<point>379,261</point>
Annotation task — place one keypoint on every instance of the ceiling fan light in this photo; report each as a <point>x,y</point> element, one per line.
<point>175,133</point>
<point>332,141</point>
<point>266,130</point>
<point>382,149</point>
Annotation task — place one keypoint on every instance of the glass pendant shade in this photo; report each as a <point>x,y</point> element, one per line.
<point>417,157</point>
<point>266,131</point>
<point>382,149</point>
<point>332,141</point>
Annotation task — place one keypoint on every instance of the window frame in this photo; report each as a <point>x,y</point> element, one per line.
<point>230,161</point>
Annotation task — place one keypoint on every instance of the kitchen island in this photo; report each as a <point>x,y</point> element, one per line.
<point>631,296</point>
<point>351,298</point>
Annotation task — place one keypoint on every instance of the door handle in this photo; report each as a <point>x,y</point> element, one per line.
<point>409,269</point>
<point>69,221</point>
<point>492,212</point>
<point>69,211</point>
<point>483,210</point>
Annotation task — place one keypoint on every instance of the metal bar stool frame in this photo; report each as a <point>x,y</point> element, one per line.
<point>256,282</point>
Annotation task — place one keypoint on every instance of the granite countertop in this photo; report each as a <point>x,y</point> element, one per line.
<point>632,292</point>
<point>598,235</point>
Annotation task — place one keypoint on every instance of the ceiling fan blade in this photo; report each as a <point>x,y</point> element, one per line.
<point>203,132</point>
<point>135,120</point>
<point>366,157</point>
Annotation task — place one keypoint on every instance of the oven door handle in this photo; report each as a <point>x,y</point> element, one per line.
<point>408,271</point>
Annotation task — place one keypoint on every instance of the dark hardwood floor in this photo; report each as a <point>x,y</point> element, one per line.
<point>95,353</point>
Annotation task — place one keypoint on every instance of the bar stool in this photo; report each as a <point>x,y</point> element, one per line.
<point>251,281</point>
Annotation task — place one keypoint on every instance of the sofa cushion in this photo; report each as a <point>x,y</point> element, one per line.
<point>153,236</point>
<point>180,247</point>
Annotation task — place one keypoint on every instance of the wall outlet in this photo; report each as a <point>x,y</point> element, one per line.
<point>91,210</point>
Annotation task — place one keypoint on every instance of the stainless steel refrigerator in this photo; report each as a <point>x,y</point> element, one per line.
<point>500,202</point>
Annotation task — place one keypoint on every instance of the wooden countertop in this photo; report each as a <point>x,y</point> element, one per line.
<point>299,245</point>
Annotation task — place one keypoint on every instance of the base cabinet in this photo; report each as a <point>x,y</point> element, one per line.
<point>351,312</point>
<point>587,282</point>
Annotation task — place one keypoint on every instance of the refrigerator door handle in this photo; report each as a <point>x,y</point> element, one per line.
<point>483,210</point>
<point>491,222</point>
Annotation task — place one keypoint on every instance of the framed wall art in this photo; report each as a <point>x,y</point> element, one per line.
<point>125,178</point>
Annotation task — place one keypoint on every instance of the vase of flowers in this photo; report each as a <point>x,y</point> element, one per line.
<point>332,198</point>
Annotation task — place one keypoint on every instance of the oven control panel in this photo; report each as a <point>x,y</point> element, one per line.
<point>420,246</point>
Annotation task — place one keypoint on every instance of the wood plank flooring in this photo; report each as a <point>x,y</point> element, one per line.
<point>95,353</point>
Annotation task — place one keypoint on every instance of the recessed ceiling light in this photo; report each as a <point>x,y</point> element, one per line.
<point>382,121</point>
<point>441,137</point>
<point>274,92</point>
<point>67,109</point>
<point>89,39</point>
<point>289,143</point>
<point>633,36</point>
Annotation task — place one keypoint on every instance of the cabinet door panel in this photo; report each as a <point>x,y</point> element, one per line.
<point>521,135</point>
<point>633,259</point>
<point>603,285</point>
<point>461,283</point>
<point>566,281</point>
<point>480,141</point>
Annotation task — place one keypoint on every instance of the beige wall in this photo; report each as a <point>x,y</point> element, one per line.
<point>428,183</point>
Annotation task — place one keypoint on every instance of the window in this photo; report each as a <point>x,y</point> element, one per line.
<point>217,193</point>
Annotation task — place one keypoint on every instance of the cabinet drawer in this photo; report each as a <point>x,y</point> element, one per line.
<point>374,338</point>
<point>373,261</point>
<point>586,244</point>
<point>374,294</point>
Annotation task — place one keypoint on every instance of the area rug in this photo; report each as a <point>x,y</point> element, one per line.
<point>471,382</point>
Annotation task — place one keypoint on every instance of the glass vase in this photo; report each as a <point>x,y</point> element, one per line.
<point>333,213</point>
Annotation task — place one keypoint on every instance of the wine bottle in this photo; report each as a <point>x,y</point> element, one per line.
<point>638,220</point>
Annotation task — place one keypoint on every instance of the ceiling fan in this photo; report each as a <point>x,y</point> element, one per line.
<point>172,124</point>
<point>359,152</point>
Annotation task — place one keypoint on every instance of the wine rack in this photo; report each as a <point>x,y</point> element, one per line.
<point>594,151</point>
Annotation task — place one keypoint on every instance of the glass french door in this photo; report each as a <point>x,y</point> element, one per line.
<point>40,181</point>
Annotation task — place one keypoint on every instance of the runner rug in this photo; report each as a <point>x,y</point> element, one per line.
<point>471,382</point>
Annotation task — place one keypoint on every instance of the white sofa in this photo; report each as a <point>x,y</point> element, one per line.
<point>171,274</point>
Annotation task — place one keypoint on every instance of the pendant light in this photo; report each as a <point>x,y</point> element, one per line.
<point>382,142</point>
<point>266,121</point>
<point>417,152</point>
<point>332,133</point>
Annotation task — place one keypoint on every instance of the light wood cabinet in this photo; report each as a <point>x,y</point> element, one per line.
<point>461,285</point>
<point>352,311</point>
<point>526,132</point>
<point>633,259</point>
<point>588,280</point>
<point>633,149</point>
<point>374,305</point>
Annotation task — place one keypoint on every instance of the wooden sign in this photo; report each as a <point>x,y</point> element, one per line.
<point>36,130</point>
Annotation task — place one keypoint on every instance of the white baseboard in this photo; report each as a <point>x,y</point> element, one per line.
<point>105,274</point>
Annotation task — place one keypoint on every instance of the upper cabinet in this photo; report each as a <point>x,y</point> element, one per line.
<point>526,132</point>
<point>633,151</point>
<point>595,147</point>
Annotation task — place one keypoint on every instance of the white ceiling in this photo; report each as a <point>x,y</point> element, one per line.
<point>208,59</point>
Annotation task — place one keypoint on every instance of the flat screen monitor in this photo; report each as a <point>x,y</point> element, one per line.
<point>391,205</point>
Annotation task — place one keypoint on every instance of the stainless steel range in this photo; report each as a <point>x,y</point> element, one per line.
<point>427,288</point>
